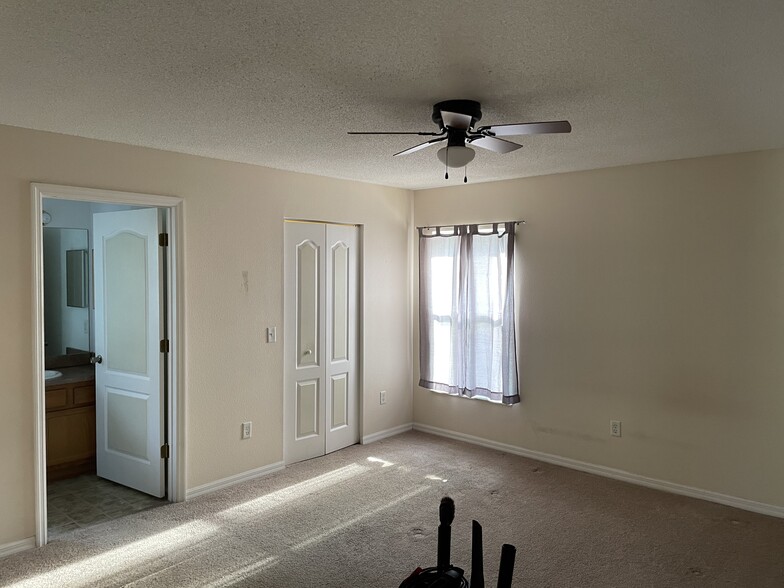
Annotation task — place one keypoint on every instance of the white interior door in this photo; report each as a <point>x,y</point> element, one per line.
<point>304,321</point>
<point>342,403</point>
<point>321,400</point>
<point>128,326</point>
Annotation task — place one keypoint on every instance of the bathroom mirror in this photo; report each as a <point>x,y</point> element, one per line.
<point>76,278</point>
<point>66,291</point>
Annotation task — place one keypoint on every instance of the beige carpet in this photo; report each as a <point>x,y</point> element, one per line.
<point>367,516</point>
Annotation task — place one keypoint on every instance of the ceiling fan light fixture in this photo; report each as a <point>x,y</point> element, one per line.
<point>456,155</point>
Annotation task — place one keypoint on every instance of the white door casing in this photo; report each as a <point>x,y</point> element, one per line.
<point>321,400</point>
<point>128,326</point>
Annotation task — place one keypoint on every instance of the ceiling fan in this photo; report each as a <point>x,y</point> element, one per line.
<point>456,120</point>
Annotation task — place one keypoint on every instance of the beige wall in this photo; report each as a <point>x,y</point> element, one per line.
<point>233,223</point>
<point>652,294</point>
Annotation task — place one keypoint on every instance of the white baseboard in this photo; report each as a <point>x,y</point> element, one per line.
<point>387,433</point>
<point>232,480</point>
<point>17,546</point>
<point>742,503</point>
<point>275,467</point>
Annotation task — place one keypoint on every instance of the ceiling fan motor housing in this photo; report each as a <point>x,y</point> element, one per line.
<point>471,108</point>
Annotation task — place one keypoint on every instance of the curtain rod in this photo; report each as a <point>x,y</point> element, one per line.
<point>520,222</point>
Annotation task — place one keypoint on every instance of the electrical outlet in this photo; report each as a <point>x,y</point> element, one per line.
<point>382,397</point>
<point>615,428</point>
<point>246,430</point>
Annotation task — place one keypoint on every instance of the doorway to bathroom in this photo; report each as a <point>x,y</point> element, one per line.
<point>107,286</point>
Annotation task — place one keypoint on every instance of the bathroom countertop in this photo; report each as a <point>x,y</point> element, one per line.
<point>72,375</point>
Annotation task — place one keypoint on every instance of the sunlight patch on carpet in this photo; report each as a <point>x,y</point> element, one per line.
<point>345,524</point>
<point>272,500</point>
<point>244,572</point>
<point>99,568</point>
<point>384,463</point>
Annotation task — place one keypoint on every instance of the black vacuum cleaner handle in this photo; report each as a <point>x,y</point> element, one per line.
<point>506,570</point>
<point>477,557</point>
<point>446,514</point>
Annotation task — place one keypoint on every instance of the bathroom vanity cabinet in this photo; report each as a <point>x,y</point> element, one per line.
<point>70,424</point>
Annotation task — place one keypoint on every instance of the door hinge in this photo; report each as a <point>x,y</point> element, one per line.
<point>163,239</point>
<point>165,452</point>
<point>164,346</point>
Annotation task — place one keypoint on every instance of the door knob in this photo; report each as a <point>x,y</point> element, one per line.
<point>96,359</point>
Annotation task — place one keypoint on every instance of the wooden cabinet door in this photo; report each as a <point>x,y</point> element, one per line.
<point>70,435</point>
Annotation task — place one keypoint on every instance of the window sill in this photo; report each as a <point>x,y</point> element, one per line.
<point>464,397</point>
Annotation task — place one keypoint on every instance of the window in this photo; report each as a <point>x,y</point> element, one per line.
<point>466,311</point>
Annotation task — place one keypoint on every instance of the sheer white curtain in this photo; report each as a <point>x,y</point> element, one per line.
<point>466,311</point>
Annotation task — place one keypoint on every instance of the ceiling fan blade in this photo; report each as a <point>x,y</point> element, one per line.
<point>428,133</point>
<point>533,128</point>
<point>416,148</point>
<point>455,120</point>
<point>494,144</point>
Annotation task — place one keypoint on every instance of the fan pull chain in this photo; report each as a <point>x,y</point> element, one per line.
<point>446,165</point>
<point>465,175</point>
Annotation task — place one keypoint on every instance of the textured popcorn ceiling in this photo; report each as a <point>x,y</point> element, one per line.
<point>279,83</point>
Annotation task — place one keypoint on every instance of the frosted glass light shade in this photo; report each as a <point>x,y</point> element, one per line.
<point>459,156</point>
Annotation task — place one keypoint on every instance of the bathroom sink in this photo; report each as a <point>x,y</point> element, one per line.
<point>49,374</point>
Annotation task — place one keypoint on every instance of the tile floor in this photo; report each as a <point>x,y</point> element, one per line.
<point>83,501</point>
